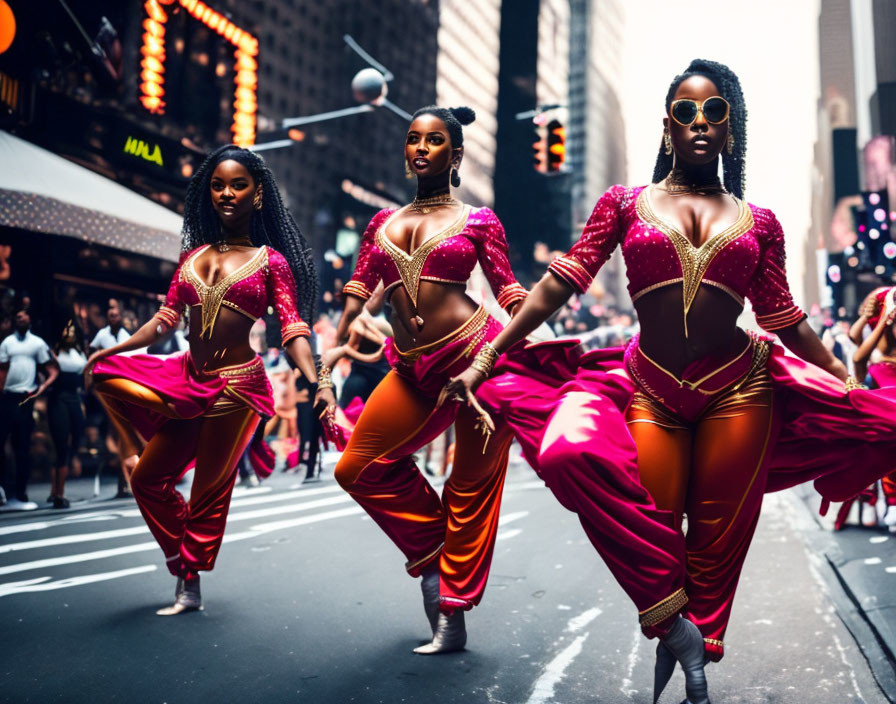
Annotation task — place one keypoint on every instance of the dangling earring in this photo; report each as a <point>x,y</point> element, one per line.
<point>667,144</point>
<point>455,177</point>
<point>256,201</point>
<point>729,146</point>
<point>407,170</point>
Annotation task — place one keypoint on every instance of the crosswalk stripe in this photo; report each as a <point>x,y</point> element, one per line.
<point>137,530</point>
<point>41,585</point>
<point>253,532</point>
<point>111,514</point>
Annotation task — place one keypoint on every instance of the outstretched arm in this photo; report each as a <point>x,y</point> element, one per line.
<point>542,302</point>
<point>801,339</point>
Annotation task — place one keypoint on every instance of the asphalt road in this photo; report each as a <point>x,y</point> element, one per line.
<point>310,603</point>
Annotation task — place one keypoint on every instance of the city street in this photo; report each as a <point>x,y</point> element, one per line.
<point>309,603</point>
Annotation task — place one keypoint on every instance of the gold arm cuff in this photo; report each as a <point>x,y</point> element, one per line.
<point>851,384</point>
<point>659,612</point>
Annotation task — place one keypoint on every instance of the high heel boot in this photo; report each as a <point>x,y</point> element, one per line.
<point>429,585</point>
<point>684,644</point>
<point>450,635</point>
<point>187,597</point>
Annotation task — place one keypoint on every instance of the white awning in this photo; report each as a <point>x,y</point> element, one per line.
<point>44,192</point>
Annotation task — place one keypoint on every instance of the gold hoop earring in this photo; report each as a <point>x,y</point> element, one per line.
<point>256,201</point>
<point>667,144</point>
<point>729,145</point>
<point>407,170</point>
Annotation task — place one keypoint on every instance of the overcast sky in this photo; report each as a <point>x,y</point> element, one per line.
<point>772,45</point>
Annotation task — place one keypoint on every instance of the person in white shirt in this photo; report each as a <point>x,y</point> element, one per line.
<point>22,355</point>
<point>111,335</point>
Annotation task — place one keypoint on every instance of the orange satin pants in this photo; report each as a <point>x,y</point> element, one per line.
<point>712,471</point>
<point>458,529</point>
<point>189,533</point>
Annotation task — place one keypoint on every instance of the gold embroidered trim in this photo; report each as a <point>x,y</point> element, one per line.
<point>669,606</point>
<point>713,641</point>
<point>727,289</point>
<point>410,266</point>
<point>234,306</point>
<point>168,315</point>
<point>474,323</point>
<point>780,319</point>
<point>410,565</point>
<point>654,287</point>
<point>694,260</point>
<point>211,297</point>
<point>356,288</point>
<point>442,281</point>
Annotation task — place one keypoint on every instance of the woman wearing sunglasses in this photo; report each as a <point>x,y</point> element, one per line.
<point>718,416</point>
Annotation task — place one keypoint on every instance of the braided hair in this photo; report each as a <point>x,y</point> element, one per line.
<point>272,225</point>
<point>726,81</point>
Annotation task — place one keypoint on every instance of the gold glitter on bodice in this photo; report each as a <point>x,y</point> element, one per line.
<point>212,297</point>
<point>694,260</point>
<point>410,266</point>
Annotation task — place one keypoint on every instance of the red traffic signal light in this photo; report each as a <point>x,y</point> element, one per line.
<point>540,148</point>
<point>556,145</point>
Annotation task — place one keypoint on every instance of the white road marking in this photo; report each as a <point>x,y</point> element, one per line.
<point>579,622</point>
<point>872,561</point>
<point>507,534</point>
<point>41,585</point>
<point>543,689</point>
<point>137,530</point>
<point>632,662</point>
<point>253,532</point>
<point>511,517</point>
<point>134,512</point>
<point>878,539</point>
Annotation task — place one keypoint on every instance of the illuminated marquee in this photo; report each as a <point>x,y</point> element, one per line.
<point>152,91</point>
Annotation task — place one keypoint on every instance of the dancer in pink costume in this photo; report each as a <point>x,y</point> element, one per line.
<point>718,416</point>
<point>202,407</point>
<point>879,313</point>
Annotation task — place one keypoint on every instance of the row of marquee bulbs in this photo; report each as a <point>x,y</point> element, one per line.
<point>246,66</point>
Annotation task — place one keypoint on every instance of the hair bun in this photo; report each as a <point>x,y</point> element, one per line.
<point>464,114</point>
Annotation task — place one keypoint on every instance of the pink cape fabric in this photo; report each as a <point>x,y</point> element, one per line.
<point>842,443</point>
<point>189,393</point>
<point>883,374</point>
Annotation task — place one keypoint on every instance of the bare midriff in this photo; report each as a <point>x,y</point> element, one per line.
<point>443,307</point>
<point>228,344</point>
<point>711,325</point>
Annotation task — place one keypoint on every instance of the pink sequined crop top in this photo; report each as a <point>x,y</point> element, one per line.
<point>746,259</point>
<point>448,257</point>
<point>263,280</point>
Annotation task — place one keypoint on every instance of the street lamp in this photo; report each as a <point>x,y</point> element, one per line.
<point>369,87</point>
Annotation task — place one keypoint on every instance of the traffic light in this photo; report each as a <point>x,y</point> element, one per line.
<point>556,145</point>
<point>539,146</point>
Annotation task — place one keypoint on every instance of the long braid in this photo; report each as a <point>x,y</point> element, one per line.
<point>273,225</point>
<point>734,164</point>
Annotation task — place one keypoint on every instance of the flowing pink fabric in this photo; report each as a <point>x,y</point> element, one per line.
<point>883,374</point>
<point>190,393</point>
<point>567,409</point>
<point>841,442</point>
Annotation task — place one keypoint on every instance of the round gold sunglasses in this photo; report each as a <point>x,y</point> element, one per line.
<point>684,111</point>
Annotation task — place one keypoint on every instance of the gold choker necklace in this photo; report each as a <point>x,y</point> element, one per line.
<point>226,245</point>
<point>675,185</point>
<point>425,205</point>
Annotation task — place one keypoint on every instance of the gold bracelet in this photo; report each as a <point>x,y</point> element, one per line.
<point>324,381</point>
<point>485,359</point>
<point>851,384</point>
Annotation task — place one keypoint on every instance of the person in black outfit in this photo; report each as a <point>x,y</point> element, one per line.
<point>65,412</point>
